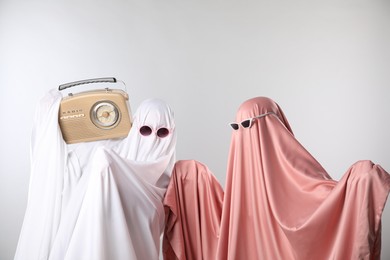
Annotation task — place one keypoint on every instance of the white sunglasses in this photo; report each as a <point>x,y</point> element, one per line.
<point>247,123</point>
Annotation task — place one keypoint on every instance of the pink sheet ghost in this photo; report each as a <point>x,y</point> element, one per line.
<point>280,203</point>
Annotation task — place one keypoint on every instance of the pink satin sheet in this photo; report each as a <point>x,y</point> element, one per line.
<point>193,205</point>
<point>280,203</point>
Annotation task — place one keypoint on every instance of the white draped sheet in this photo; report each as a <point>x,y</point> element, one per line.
<point>97,200</point>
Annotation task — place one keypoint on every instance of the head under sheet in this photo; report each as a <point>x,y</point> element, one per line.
<point>149,149</point>
<point>139,146</point>
<point>269,146</point>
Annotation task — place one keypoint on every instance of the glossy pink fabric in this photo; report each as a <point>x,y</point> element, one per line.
<point>280,203</point>
<point>193,205</point>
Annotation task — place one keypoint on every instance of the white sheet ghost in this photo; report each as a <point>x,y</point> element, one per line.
<point>98,200</point>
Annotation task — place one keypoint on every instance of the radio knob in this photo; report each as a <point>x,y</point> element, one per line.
<point>105,114</point>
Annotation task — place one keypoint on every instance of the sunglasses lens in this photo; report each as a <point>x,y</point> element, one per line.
<point>234,126</point>
<point>162,132</point>
<point>246,123</point>
<point>145,130</point>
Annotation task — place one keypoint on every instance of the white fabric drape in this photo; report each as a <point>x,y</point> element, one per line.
<point>97,200</point>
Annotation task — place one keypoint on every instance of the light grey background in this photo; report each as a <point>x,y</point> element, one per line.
<point>325,62</point>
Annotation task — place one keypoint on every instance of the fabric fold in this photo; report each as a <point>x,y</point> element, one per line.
<point>193,205</point>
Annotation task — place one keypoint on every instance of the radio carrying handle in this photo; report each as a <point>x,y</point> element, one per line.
<point>89,81</point>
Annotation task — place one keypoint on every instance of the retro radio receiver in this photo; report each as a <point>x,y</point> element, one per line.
<point>95,114</point>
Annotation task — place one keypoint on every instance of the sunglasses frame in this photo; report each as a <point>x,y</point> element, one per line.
<point>152,130</point>
<point>251,120</point>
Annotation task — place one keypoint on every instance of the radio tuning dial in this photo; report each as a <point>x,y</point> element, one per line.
<point>105,114</point>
